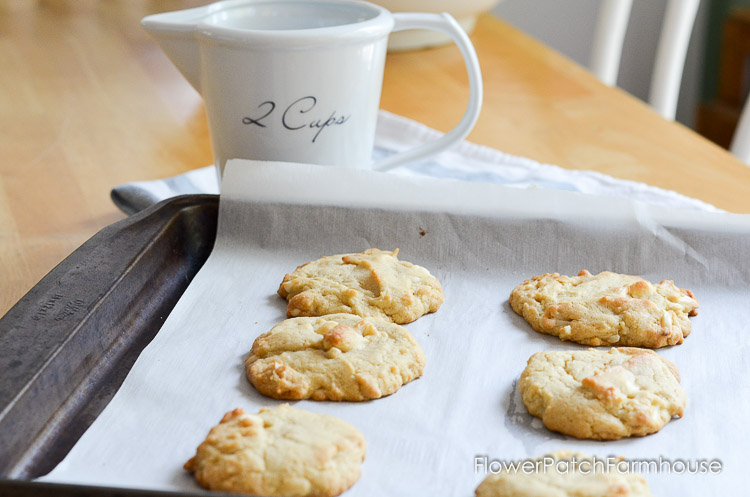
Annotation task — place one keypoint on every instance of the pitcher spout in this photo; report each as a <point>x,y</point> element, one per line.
<point>175,34</point>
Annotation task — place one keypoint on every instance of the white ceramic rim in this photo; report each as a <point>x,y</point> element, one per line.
<point>195,20</point>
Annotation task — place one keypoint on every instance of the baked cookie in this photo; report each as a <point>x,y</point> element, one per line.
<point>602,395</point>
<point>334,357</point>
<point>279,452</point>
<point>563,474</point>
<point>606,309</point>
<point>373,283</point>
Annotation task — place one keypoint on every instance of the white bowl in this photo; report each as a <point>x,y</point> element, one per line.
<point>465,12</point>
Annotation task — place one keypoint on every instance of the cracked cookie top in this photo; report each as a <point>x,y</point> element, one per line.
<point>334,357</point>
<point>602,395</point>
<point>373,283</point>
<point>279,452</point>
<point>606,309</point>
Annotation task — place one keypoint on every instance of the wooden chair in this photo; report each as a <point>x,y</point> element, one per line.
<point>725,120</point>
<point>733,79</point>
<point>670,55</point>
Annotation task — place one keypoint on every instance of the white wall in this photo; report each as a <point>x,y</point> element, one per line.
<point>568,26</point>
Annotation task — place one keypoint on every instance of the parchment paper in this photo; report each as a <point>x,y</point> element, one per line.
<point>480,241</point>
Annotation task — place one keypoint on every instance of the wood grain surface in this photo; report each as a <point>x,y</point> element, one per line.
<point>88,101</point>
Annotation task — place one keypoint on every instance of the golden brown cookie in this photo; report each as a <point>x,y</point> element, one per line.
<point>373,283</point>
<point>606,309</point>
<point>563,474</point>
<point>279,452</point>
<point>334,357</point>
<point>602,395</point>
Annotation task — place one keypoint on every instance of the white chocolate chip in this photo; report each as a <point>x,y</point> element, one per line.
<point>666,320</point>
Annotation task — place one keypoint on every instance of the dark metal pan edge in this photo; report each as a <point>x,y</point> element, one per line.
<point>20,488</point>
<point>68,344</point>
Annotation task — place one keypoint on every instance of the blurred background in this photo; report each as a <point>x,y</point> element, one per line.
<point>715,80</point>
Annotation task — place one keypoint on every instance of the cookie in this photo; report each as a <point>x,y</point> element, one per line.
<point>606,309</point>
<point>334,357</point>
<point>373,283</point>
<point>279,452</point>
<point>563,474</point>
<point>602,395</point>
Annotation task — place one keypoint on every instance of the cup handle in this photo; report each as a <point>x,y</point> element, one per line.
<point>444,23</point>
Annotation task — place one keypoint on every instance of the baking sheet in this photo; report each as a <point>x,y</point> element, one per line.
<point>480,241</point>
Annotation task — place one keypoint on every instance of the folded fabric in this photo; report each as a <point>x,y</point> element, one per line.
<point>464,161</point>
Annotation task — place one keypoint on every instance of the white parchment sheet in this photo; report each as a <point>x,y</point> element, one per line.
<point>480,241</point>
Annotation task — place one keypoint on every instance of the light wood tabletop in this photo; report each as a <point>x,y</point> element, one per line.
<point>88,101</point>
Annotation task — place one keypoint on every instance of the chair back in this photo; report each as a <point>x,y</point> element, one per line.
<point>671,51</point>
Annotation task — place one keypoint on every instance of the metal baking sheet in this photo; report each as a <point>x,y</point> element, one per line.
<point>67,345</point>
<point>480,241</point>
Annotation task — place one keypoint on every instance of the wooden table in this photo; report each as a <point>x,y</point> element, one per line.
<point>88,101</point>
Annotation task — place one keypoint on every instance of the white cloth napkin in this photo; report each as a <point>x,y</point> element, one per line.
<point>464,161</point>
